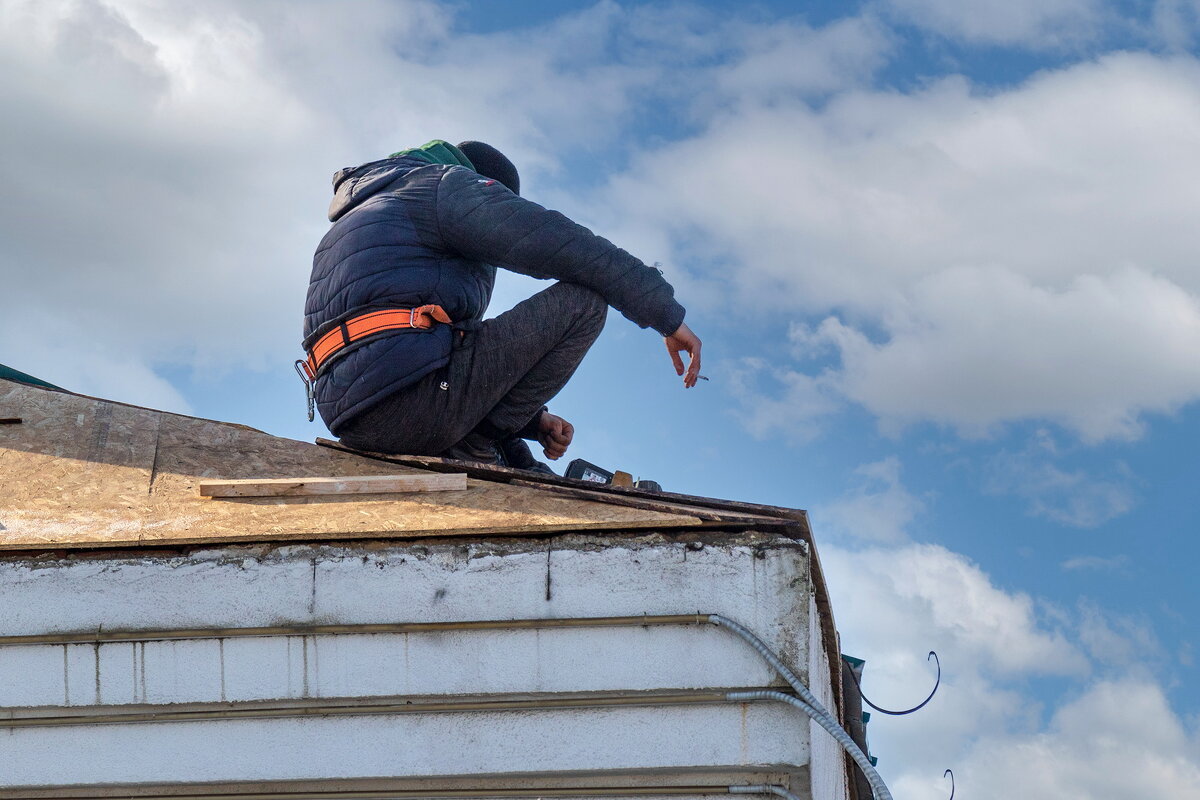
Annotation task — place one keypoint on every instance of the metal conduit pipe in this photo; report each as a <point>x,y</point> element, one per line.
<point>808,703</point>
<point>878,787</point>
<point>776,663</point>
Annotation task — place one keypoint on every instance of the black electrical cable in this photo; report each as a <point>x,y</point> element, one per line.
<point>938,683</point>
<point>950,772</point>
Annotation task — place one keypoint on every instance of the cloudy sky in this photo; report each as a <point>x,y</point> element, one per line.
<point>942,254</point>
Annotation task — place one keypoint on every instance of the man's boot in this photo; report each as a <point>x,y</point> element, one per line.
<point>475,448</point>
<point>517,454</point>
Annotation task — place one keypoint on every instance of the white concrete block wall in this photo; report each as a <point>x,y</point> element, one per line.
<point>451,663</point>
<point>755,579</point>
<point>414,745</point>
<point>351,585</point>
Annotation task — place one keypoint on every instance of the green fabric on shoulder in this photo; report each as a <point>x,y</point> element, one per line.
<point>437,152</point>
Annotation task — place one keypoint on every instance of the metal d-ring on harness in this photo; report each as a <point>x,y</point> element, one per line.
<point>345,333</point>
<point>308,389</point>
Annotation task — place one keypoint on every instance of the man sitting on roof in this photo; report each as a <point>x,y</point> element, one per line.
<point>399,355</point>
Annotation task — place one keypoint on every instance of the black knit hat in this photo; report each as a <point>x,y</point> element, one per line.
<point>491,163</point>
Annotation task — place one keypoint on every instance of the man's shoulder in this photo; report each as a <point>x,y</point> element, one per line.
<point>434,181</point>
<point>457,175</point>
<point>457,184</point>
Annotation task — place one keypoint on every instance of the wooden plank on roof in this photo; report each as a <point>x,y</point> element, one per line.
<point>356,484</point>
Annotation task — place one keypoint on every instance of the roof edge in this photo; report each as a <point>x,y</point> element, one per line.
<point>499,474</point>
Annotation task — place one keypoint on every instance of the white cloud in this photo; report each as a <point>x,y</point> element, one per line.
<point>1120,740</point>
<point>879,508</point>
<point>1030,23</point>
<point>1113,737</point>
<point>1029,352</point>
<point>904,589</point>
<point>1100,563</point>
<point>788,60</point>
<point>1118,639</point>
<point>772,399</point>
<point>894,604</point>
<point>976,258</point>
<point>1175,22</point>
<point>78,362</point>
<point>158,197</point>
<point>1080,498</point>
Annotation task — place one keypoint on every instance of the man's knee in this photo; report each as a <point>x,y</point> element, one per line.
<point>586,305</point>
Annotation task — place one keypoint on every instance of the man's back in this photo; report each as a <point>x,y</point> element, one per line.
<point>383,251</point>
<point>416,233</point>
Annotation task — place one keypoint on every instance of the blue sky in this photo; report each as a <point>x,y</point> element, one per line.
<point>942,256</point>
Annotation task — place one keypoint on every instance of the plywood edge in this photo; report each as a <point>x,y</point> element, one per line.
<point>662,521</point>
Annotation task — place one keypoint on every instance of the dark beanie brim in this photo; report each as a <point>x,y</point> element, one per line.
<point>491,163</point>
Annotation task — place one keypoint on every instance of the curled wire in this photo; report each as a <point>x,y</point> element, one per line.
<point>950,772</point>
<point>917,707</point>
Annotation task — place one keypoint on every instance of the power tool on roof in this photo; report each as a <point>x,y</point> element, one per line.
<point>582,470</point>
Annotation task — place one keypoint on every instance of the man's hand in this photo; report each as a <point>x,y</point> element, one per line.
<point>686,341</point>
<point>554,434</point>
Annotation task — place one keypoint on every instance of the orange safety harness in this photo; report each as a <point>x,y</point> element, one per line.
<point>357,328</point>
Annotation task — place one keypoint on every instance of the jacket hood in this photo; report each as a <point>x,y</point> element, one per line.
<point>352,185</point>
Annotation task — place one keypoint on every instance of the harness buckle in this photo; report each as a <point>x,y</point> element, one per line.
<point>301,367</point>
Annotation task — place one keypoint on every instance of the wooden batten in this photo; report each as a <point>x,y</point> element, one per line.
<point>360,484</point>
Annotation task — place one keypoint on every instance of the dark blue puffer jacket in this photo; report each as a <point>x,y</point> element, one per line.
<point>407,232</point>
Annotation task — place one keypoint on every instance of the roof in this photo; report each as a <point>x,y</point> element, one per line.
<point>85,473</point>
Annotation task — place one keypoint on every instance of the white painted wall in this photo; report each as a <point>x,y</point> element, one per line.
<point>753,579</point>
<point>432,744</point>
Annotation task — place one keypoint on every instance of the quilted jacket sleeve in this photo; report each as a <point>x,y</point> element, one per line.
<point>486,222</point>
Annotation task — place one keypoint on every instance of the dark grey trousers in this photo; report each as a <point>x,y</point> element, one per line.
<point>501,373</point>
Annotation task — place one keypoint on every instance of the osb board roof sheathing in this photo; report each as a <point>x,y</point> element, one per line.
<point>85,473</point>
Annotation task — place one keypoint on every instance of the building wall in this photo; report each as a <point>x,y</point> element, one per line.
<point>828,776</point>
<point>759,580</point>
